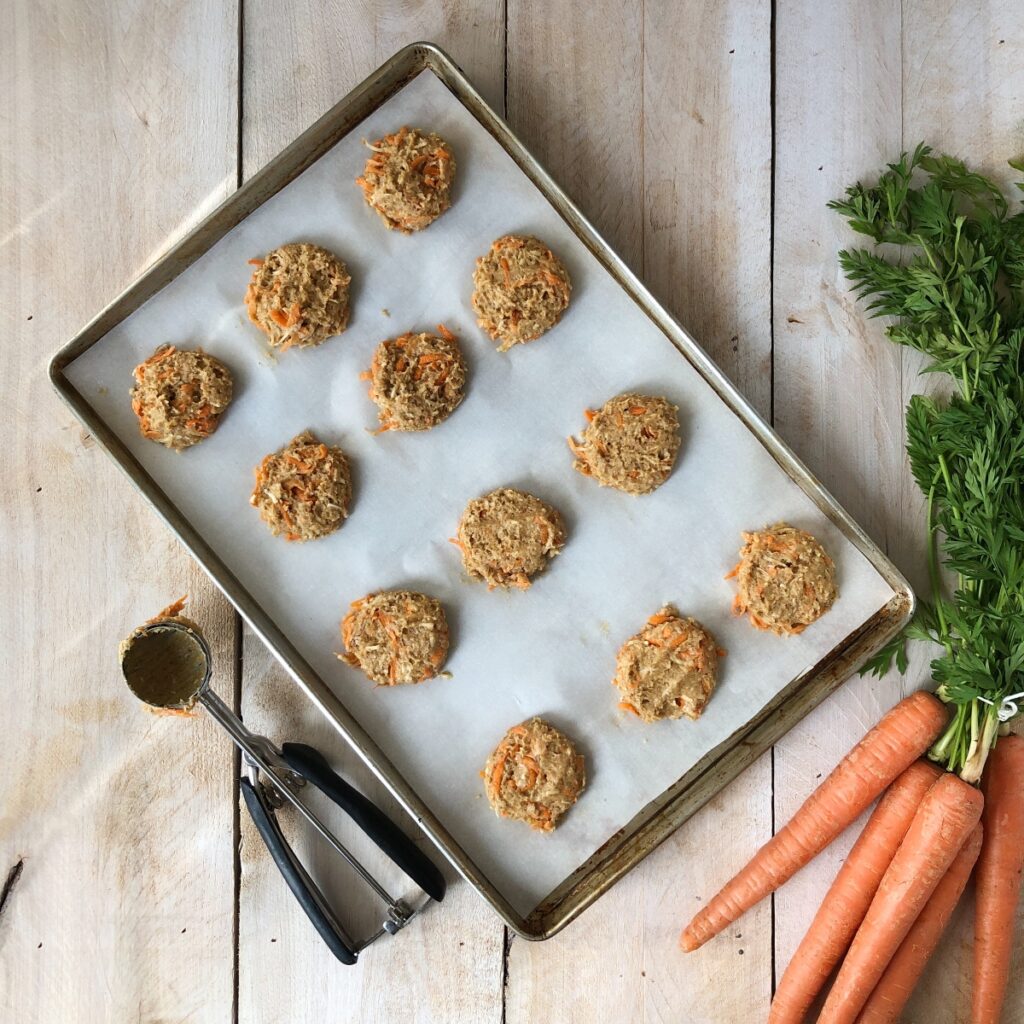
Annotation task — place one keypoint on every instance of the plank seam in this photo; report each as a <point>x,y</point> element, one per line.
<point>771,390</point>
<point>506,947</point>
<point>504,43</point>
<point>236,823</point>
<point>238,93</point>
<point>902,362</point>
<point>643,139</point>
<point>506,936</point>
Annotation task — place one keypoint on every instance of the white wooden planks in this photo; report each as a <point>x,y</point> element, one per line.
<point>658,121</point>
<point>119,127</point>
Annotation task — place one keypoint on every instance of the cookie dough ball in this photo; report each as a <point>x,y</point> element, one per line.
<point>303,491</point>
<point>298,295</point>
<point>785,579</point>
<point>396,636</point>
<point>520,291</point>
<point>179,396</point>
<point>417,380</point>
<point>507,537</point>
<point>534,775</point>
<point>668,669</point>
<point>408,180</point>
<point>630,443</point>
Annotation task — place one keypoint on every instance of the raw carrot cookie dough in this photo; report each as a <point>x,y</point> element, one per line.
<point>303,491</point>
<point>298,295</point>
<point>534,775</point>
<point>508,536</point>
<point>668,669</point>
<point>630,443</point>
<point>166,671</point>
<point>408,179</point>
<point>417,380</point>
<point>520,291</point>
<point>396,636</point>
<point>179,395</point>
<point>785,579</point>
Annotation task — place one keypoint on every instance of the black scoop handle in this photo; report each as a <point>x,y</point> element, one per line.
<point>393,842</point>
<point>303,888</point>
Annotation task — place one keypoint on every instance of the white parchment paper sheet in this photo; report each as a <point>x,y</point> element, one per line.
<point>549,651</point>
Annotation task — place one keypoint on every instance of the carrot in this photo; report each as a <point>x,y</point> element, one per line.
<point>944,820</point>
<point>847,901</point>
<point>1000,869</point>
<point>885,752</point>
<point>904,971</point>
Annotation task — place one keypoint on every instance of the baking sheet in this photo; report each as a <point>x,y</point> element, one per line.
<point>550,650</point>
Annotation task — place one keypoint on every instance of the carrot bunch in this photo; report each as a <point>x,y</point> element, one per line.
<point>886,911</point>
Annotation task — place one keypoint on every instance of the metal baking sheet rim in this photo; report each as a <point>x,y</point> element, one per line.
<point>654,823</point>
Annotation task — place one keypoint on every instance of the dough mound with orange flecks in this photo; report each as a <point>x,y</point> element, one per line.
<point>179,396</point>
<point>668,669</point>
<point>303,491</point>
<point>408,179</point>
<point>785,579</point>
<point>520,291</point>
<point>508,536</point>
<point>396,636</point>
<point>298,295</point>
<point>534,775</point>
<point>630,443</point>
<point>417,380</point>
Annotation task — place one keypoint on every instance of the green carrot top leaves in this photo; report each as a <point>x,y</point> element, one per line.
<point>955,288</point>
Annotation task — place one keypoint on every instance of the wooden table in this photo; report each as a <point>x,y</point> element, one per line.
<point>703,139</point>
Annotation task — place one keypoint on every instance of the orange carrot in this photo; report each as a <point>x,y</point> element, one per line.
<point>944,820</point>
<point>1000,870</point>
<point>904,971</point>
<point>898,740</point>
<point>847,901</point>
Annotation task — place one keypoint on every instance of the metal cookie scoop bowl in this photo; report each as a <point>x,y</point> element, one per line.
<point>167,664</point>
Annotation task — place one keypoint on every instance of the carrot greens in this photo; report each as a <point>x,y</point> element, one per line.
<point>955,291</point>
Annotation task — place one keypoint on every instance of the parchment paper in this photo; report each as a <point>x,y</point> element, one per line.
<point>548,651</point>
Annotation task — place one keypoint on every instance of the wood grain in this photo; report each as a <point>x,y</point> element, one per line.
<point>296,68</point>
<point>118,125</point>
<point>838,398</point>
<point>642,118</point>
<point>448,965</point>
<point>876,80</point>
